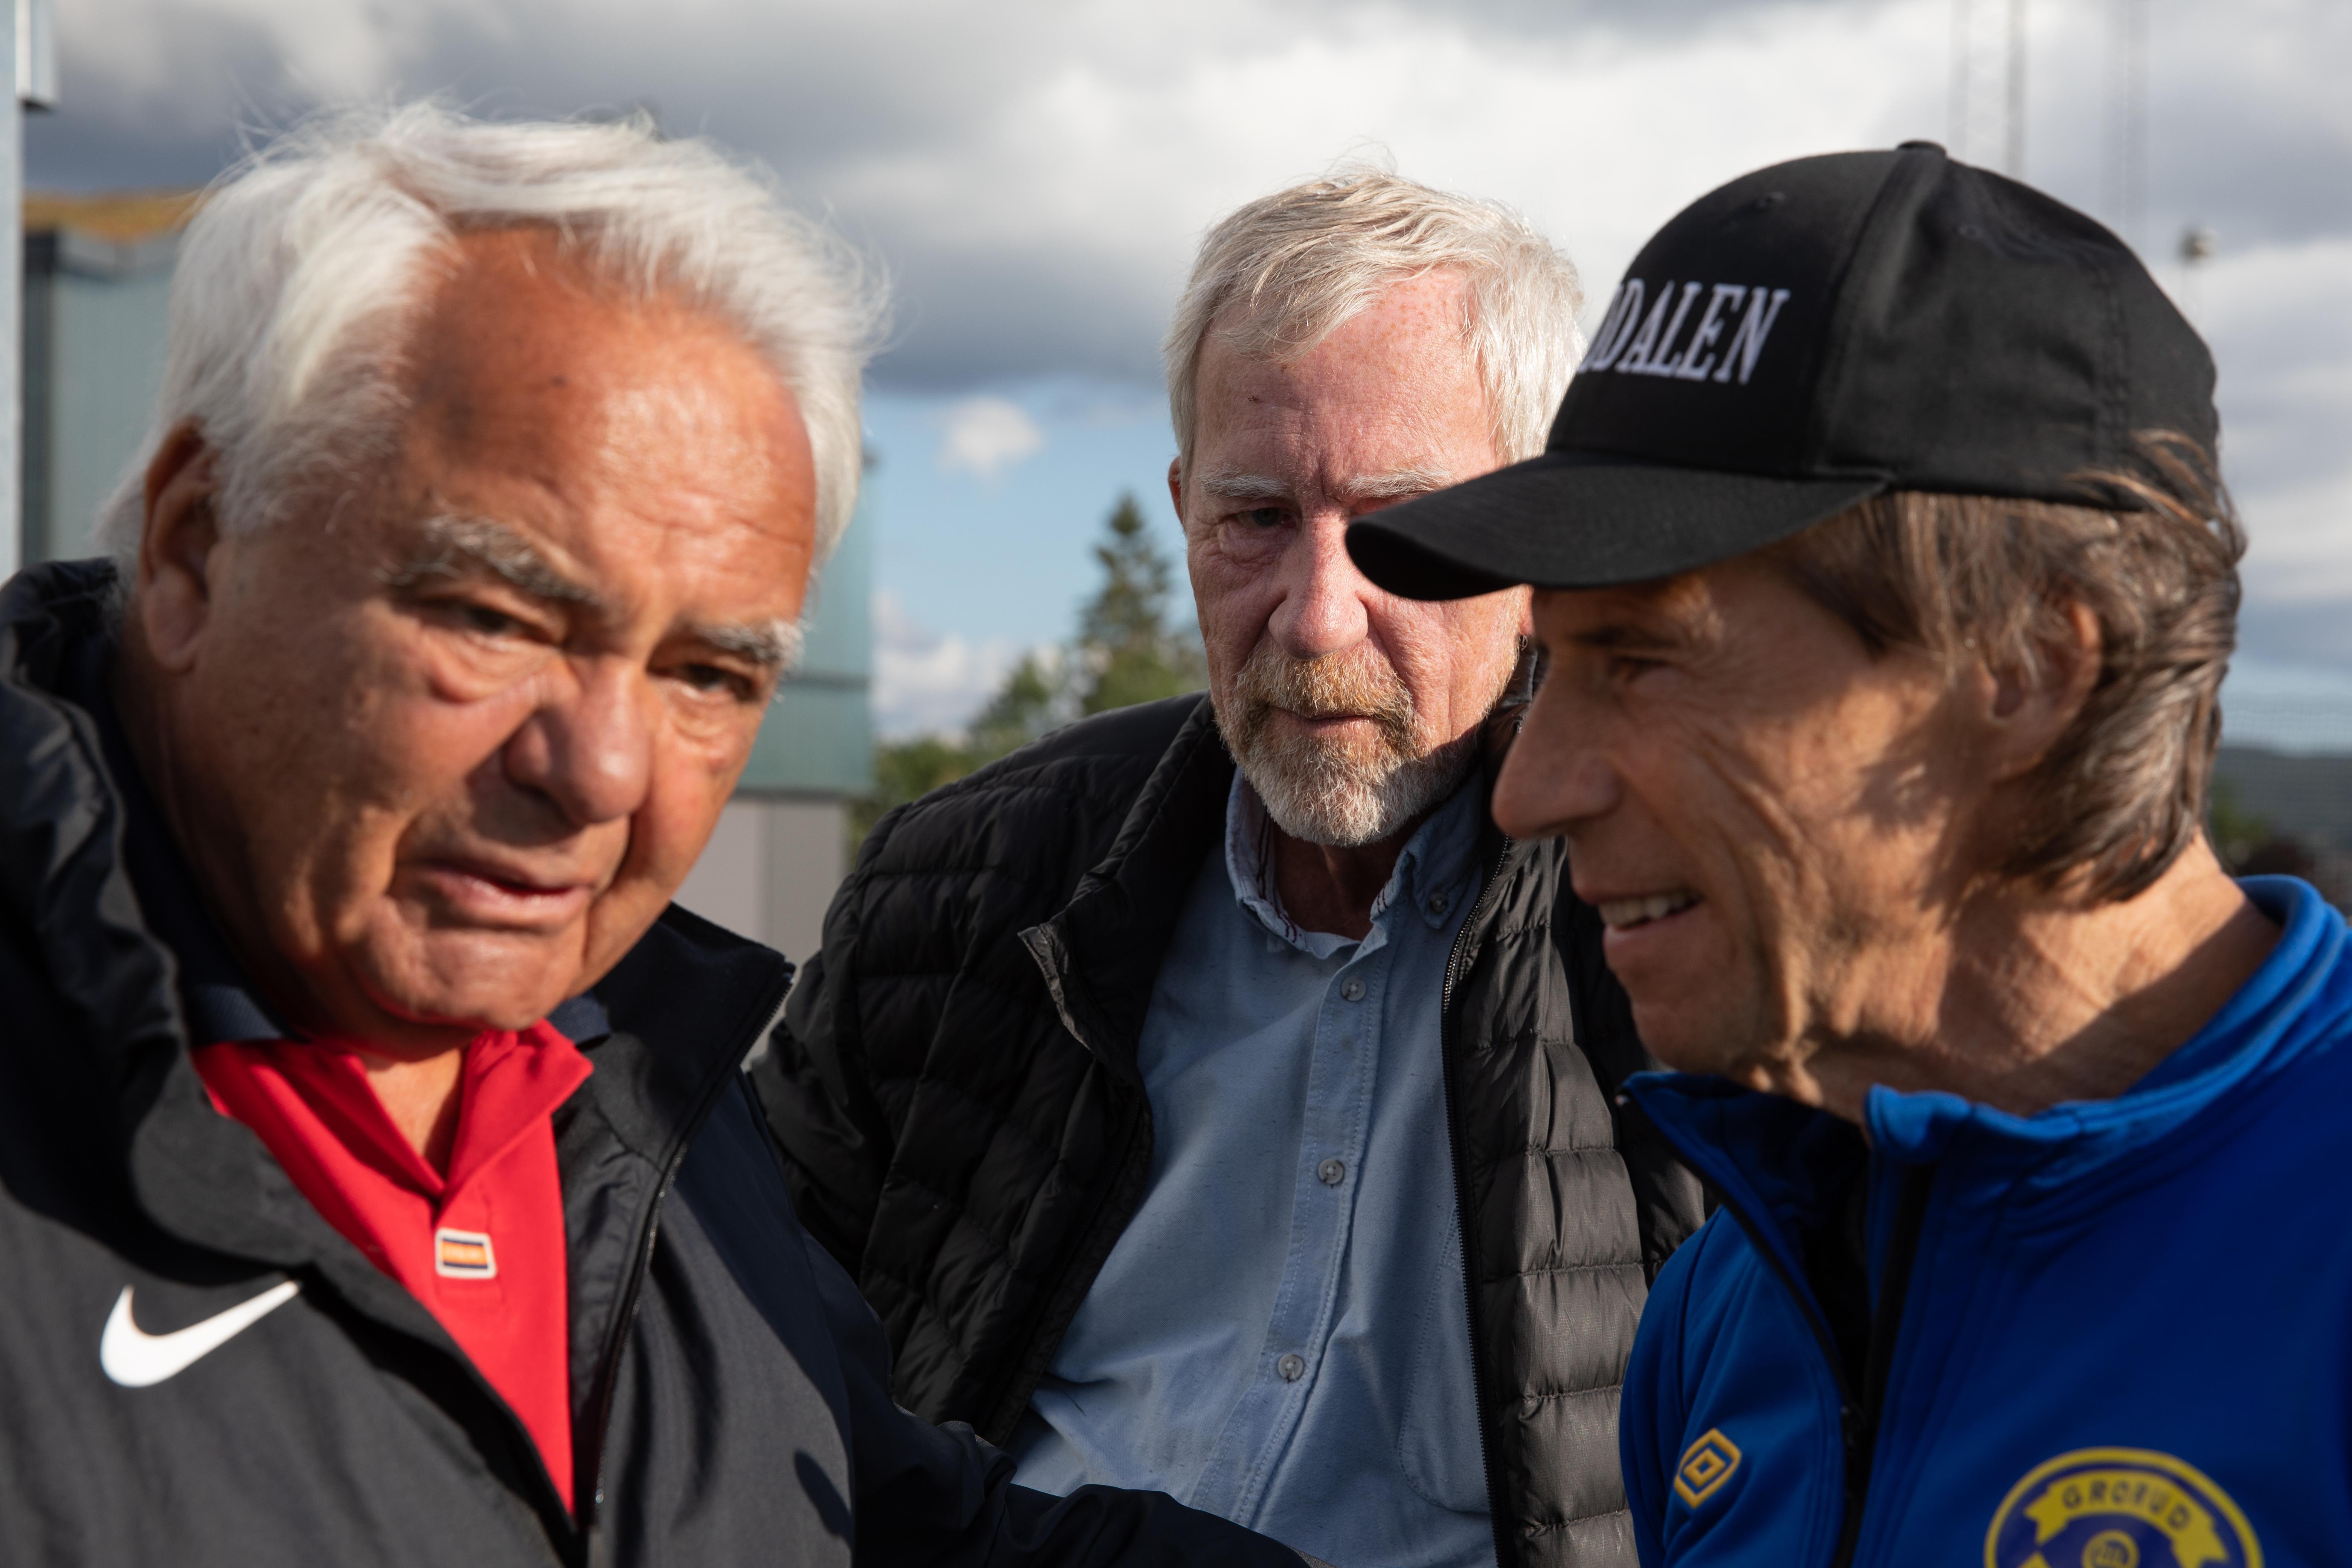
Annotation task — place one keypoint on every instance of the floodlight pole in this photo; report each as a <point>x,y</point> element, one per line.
<point>2125,158</point>
<point>2014,158</point>
<point>32,65</point>
<point>1957,110</point>
<point>2134,171</point>
<point>12,314</point>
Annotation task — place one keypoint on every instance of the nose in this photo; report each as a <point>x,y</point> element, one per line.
<point>1323,608</point>
<point>1557,776</point>
<point>588,746</point>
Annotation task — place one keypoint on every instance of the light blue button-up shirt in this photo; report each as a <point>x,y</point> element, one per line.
<point>1281,1335</point>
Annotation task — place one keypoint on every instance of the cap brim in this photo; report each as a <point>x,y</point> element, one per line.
<point>1581,520</point>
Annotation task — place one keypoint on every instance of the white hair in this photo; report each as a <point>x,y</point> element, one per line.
<point>1280,275</point>
<point>307,268</point>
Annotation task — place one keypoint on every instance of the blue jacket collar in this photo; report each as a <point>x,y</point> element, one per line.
<point>1769,1155</point>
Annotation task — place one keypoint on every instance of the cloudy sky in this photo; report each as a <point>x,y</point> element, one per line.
<point>1033,175</point>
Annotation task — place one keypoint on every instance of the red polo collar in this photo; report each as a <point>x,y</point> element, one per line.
<point>481,1246</point>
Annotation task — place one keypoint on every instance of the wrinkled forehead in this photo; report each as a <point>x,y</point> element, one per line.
<point>1396,370</point>
<point>1686,607</point>
<point>1287,321</point>
<point>595,448</point>
<point>521,336</point>
<point>1268,435</point>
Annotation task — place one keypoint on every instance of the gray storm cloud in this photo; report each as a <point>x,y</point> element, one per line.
<point>1033,178</point>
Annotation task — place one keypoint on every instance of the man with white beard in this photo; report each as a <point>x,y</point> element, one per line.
<point>1207,1097</point>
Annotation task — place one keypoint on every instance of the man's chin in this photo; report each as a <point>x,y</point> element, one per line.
<point>1322,819</point>
<point>471,981</point>
<point>1344,801</point>
<point>1687,1035</point>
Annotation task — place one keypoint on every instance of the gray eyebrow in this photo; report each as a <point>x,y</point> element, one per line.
<point>452,544</point>
<point>772,645</point>
<point>1232,485</point>
<point>1229,484</point>
<point>1395,482</point>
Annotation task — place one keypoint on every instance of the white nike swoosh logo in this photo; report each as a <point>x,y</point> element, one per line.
<point>135,1358</point>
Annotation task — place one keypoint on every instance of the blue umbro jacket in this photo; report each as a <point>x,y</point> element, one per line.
<point>2116,1334</point>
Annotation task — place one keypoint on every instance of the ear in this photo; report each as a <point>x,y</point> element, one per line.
<point>173,590</point>
<point>1176,487</point>
<point>2025,712</point>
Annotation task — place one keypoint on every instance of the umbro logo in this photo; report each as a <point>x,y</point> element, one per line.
<point>1706,1465</point>
<point>1638,336</point>
<point>137,1359</point>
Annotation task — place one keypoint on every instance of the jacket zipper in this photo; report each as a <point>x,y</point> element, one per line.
<point>596,1545</point>
<point>1885,1323</point>
<point>1858,1418</point>
<point>1505,1552</point>
<point>608,1371</point>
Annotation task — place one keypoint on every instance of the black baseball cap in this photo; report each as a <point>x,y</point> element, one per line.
<point>1809,335</point>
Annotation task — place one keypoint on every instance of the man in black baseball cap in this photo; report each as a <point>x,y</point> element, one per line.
<point>1888,588</point>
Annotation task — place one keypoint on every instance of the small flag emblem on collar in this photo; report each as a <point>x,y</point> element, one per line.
<point>462,1255</point>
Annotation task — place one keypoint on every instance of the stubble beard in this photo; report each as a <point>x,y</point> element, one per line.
<point>1341,791</point>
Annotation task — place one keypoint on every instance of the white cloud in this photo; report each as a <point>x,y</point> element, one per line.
<point>2277,318</point>
<point>987,435</point>
<point>1036,176</point>
<point>926,682</point>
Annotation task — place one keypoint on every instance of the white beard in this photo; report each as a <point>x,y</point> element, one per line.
<point>1323,795</point>
<point>1345,794</point>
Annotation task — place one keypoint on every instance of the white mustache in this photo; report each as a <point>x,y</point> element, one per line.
<point>1336,685</point>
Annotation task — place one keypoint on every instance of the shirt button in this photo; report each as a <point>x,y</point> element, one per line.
<point>1293,1367</point>
<point>1352,989</point>
<point>1332,1172</point>
<point>1439,903</point>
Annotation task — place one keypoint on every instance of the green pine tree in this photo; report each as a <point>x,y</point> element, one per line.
<point>1126,652</point>
<point>1024,708</point>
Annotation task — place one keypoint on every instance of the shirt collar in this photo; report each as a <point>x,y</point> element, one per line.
<point>220,1004</point>
<point>1430,878</point>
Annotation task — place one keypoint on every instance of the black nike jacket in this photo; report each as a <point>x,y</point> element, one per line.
<point>730,1391</point>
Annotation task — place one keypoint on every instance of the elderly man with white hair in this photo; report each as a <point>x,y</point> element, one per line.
<point>377,1184</point>
<point>1208,1096</point>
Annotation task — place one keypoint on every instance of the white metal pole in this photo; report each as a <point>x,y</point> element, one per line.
<point>12,290</point>
<point>32,48</point>
<point>2135,159</point>
<point>2016,150</point>
<point>1957,134</point>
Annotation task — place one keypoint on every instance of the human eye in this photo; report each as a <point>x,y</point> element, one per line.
<point>487,620</point>
<point>722,681</point>
<point>475,640</point>
<point>1260,519</point>
<point>1632,666</point>
<point>1606,662</point>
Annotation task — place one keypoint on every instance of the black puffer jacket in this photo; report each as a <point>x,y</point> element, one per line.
<point>729,1387</point>
<point>955,1089</point>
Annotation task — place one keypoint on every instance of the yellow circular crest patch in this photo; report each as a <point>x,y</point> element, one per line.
<point>2119,1507</point>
